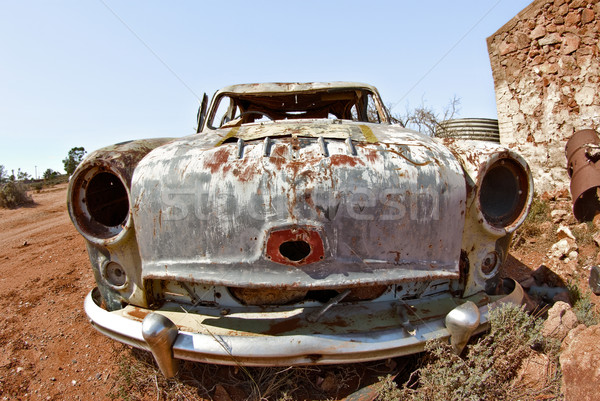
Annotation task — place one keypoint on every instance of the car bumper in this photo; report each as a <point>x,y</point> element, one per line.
<point>292,339</point>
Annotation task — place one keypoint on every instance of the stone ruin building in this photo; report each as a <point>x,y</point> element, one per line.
<point>546,68</point>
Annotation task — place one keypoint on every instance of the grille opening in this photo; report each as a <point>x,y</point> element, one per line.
<point>503,194</point>
<point>295,250</point>
<point>285,296</point>
<point>322,296</point>
<point>107,200</point>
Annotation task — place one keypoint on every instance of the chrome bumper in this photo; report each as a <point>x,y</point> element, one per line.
<point>155,331</point>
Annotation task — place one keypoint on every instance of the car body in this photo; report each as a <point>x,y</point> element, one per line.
<point>298,225</point>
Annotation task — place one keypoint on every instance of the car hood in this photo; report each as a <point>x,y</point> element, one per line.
<point>376,203</point>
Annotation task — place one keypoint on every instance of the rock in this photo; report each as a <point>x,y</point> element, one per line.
<point>221,394</point>
<point>538,32</point>
<point>570,43</point>
<point>533,372</point>
<point>329,384</point>
<point>587,15</point>
<point>561,320</point>
<point>580,363</point>
<point>549,68</point>
<point>564,232</point>
<point>562,296</point>
<point>506,48</point>
<point>528,282</point>
<point>573,255</point>
<point>543,275</point>
<point>563,10</point>
<point>558,215</point>
<point>521,40</point>
<point>571,335</point>
<point>550,39</point>
<point>596,221</point>
<point>562,248</point>
<point>572,18</point>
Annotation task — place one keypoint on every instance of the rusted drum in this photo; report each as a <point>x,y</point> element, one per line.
<point>481,129</point>
<point>583,154</point>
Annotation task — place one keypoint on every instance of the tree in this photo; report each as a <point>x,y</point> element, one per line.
<point>73,159</point>
<point>3,177</point>
<point>22,175</point>
<point>49,174</point>
<point>425,119</point>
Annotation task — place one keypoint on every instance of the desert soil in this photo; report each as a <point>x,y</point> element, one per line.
<point>49,349</point>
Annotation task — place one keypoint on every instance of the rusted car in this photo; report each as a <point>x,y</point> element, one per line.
<point>299,225</point>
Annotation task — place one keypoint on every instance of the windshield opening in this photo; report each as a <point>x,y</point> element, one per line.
<point>233,109</point>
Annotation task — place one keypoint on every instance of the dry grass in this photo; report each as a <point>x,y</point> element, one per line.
<point>139,379</point>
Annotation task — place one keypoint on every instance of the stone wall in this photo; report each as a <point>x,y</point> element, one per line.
<point>546,69</point>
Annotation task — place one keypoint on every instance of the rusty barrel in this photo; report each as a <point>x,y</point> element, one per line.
<point>481,129</point>
<point>583,154</point>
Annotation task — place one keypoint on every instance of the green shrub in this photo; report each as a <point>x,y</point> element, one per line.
<point>583,307</point>
<point>13,194</point>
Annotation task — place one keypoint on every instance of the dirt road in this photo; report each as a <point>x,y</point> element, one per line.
<point>49,350</point>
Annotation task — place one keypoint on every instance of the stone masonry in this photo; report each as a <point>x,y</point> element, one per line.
<point>546,69</point>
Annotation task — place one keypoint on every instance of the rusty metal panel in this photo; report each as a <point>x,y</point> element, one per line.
<point>583,154</point>
<point>387,214</point>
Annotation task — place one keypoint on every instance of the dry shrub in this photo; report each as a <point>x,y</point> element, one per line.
<point>14,194</point>
<point>485,373</point>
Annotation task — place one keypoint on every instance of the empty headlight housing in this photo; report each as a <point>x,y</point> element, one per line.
<point>503,193</point>
<point>99,204</point>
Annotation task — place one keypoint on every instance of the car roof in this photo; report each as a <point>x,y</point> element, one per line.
<point>286,87</point>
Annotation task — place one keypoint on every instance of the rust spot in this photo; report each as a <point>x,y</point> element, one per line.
<point>371,155</point>
<point>219,158</point>
<point>278,155</point>
<point>345,160</point>
<point>248,173</point>
<point>138,314</point>
<point>308,198</point>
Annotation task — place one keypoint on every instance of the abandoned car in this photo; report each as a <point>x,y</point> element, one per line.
<point>299,225</point>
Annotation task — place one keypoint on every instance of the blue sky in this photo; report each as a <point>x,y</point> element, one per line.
<point>95,72</point>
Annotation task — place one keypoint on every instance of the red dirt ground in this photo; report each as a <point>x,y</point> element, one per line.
<point>50,351</point>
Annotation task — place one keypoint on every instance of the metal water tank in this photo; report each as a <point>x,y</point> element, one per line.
<point>481,129</point>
